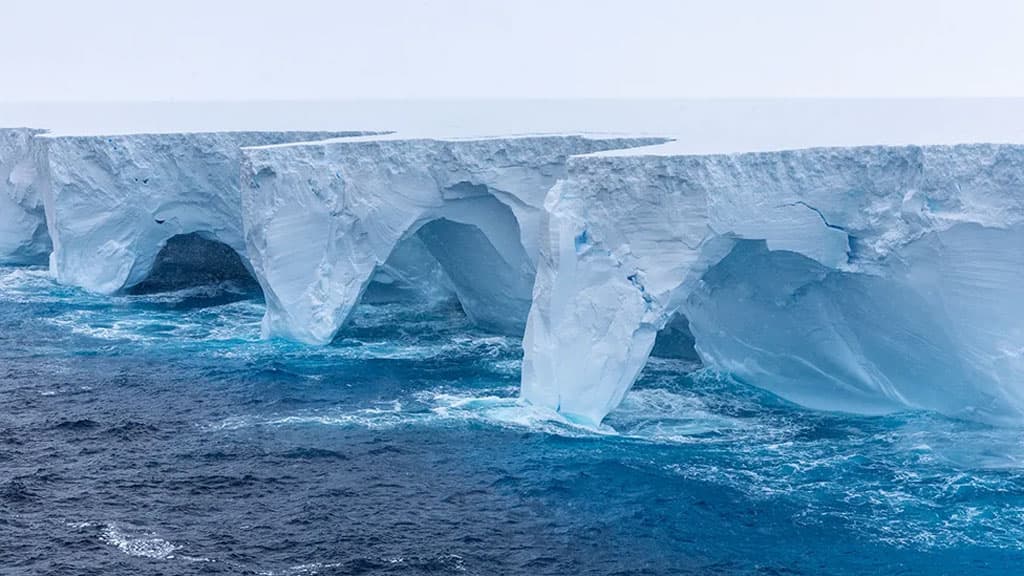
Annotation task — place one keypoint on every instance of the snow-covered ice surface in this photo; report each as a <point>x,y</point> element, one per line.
<point>23,238</point>
<point>113,201</point>
<point>702,126</point>
<point>322,217</point>
<point>866,279</point>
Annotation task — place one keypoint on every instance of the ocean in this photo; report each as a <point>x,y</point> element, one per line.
<point>156,433</point>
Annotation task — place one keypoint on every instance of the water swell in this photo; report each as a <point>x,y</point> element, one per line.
<point>172,397</point>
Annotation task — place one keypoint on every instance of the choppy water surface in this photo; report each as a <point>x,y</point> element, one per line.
<point>157,434</point>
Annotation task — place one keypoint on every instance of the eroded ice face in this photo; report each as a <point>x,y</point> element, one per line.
<point>112,202</point>
<point>23,237</point>
<point>859,279</point>
<point>321,218</point>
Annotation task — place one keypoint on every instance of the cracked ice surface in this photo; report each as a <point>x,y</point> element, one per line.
<point>322,217</point>
<point>864,279</point>
<point>112,202</point>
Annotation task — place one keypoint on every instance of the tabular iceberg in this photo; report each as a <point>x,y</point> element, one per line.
<point>866,279</point>
<point>112,202</point>
<point>320,218</point>
<point>23,237</point>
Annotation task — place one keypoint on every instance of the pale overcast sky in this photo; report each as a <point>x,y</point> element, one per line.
<point>309,49</point>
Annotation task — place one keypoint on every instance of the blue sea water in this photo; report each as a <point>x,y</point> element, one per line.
<point>157,434</point>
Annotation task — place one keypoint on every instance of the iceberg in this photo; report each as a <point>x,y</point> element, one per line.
<point>321,218</point>
<point>863,279</point>
<point>113,201</point>
<point>23,237</point>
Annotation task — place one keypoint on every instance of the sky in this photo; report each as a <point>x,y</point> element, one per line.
<point>228,50</point>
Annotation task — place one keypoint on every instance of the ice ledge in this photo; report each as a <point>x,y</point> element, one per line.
<point>867,279</point>
<point>683,149</point>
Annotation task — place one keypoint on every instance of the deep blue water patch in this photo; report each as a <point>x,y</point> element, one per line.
<point>156,434</point>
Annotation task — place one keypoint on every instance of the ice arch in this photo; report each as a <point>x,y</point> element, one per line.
<point>112,202</point>
<point>321,217</point>
<point>861,279</point>
<point>193,259</point>
<point>411,274</point>
<point>490,270</point>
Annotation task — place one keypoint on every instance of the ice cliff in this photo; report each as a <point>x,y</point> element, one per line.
<point>321,218</point>
<point>866,279</point>
<point>112,202</point>
<point>23,237</point>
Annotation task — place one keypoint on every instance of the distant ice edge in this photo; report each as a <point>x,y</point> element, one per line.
<point>867,279</point>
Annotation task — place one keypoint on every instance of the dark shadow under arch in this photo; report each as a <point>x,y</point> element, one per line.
<point>675,340</point>
<point>191,260</point>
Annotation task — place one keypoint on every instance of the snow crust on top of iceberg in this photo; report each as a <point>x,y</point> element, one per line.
<point>113,201</point>
<point>23,237</point>
<point>322,217</point>
<point>865,279</point>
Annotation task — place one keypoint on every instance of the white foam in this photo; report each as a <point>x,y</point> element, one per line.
<point>655,415</point>
<point>144,546</point>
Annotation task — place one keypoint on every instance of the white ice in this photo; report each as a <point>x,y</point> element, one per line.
<point>867,279</point>
<point>113,201</point>
<point>23,237</point>
<point>322,217</point>
<point>864,279</point>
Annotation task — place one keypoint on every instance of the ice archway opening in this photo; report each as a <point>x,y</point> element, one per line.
<point>866,280</point>
<point>195,259</point>
<point>469,254</point>
<point>322,217</point>
<point>113,202</point>
<point>468,247</point>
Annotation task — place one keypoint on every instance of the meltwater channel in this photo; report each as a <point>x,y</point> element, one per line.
<point>155,433</point>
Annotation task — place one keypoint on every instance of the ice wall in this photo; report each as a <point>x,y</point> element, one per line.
<point>321,218</point>
<point>23,237</point>
<point>112,202</point>
<point>864,279</point>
